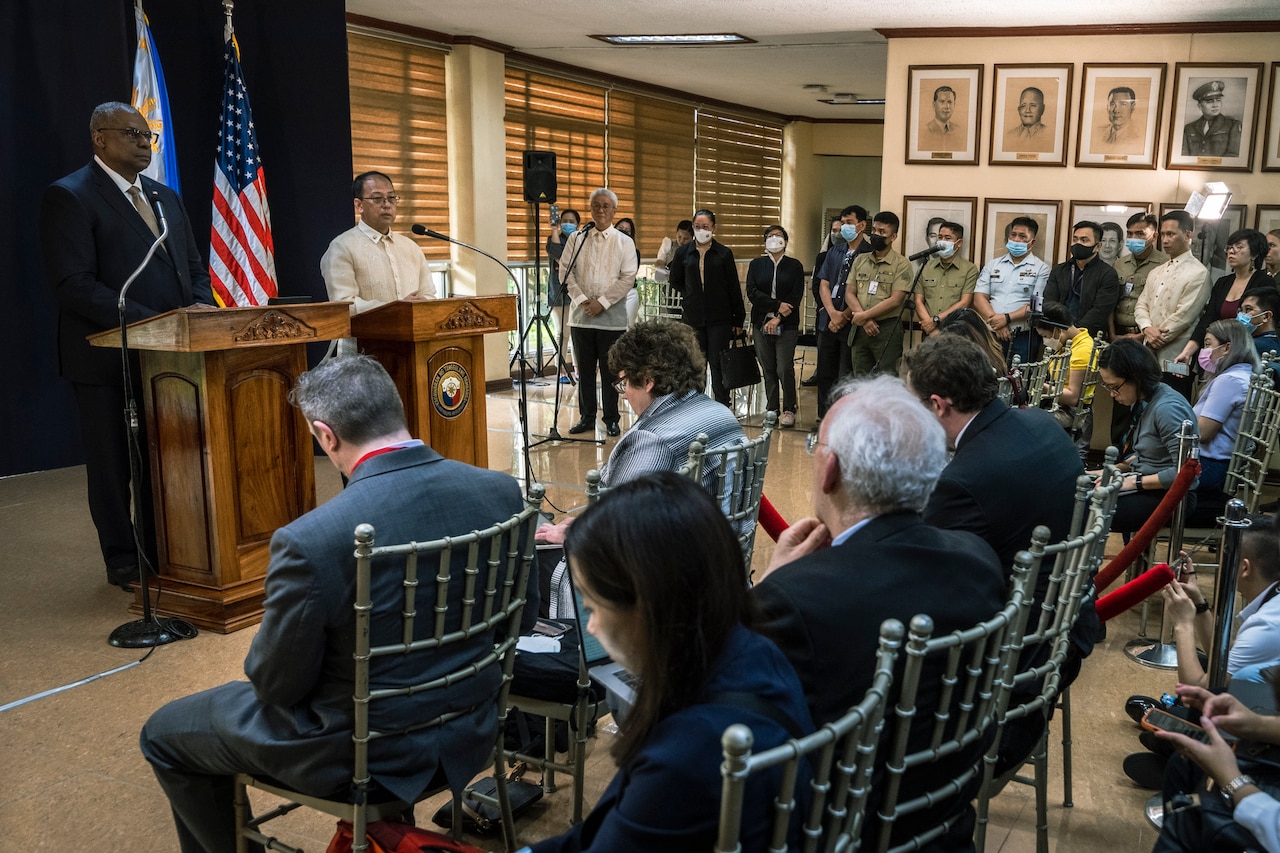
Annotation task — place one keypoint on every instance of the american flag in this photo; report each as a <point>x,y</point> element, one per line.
<point>242,262</point>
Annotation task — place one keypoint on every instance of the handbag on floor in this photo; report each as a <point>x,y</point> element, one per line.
<point>481,818</point>
<point>738,364</point>
<point>386,836</point>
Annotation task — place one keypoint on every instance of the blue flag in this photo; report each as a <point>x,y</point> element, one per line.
<point>152,100</point>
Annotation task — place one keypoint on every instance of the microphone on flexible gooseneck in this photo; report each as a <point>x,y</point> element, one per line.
<point>924,253</point>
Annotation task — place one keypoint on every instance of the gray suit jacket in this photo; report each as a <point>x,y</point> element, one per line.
<point>294,717</point>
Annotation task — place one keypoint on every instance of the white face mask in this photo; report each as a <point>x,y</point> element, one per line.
<point>774,243</point>
<point>703,237</point>
<point>1051,344</point>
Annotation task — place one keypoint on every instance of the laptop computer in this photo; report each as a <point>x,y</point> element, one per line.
<point>617,682</point>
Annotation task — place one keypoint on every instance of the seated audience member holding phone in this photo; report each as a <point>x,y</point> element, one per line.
<point>1256,644</point>
<point>1130,374</point>
<point>1243,812</point>
<point>672,608</point>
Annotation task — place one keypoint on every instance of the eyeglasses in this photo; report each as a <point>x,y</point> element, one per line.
<point>620,386</point>
<point>1238,247</point>
<point>380,200</point>
<point>1113,390</point>
<point>811,443</point>
<point>133,133</point>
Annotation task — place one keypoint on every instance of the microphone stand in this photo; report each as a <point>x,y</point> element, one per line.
<point>553,432</point>
<point>523,406</point>
<point>148,631</point>
<point>906,303</point>
<point>539,320</point>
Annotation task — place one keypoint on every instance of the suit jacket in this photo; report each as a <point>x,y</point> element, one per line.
<point>1014,469</point>
<point>294,717</point>
<point>1099,292</point>
<point>667,797</point>
<point>92,239</point>
<point>715,300</point>
<point>1221,140</point>
<point>824,611</point>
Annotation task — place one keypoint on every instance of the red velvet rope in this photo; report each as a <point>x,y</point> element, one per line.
<point>1135,591</point>
<point>769,518</point>
<point>1138,544</point>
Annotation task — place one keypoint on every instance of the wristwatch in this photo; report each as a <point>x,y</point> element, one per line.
<point>1202,607</point>
<point>1229,790</point>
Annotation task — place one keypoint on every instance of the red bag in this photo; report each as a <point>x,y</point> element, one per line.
<point>386,836</point>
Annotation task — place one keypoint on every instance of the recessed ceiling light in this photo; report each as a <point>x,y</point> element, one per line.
<point>849,99</point>
<point>677,40</point>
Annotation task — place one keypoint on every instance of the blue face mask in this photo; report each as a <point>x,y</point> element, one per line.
<point>948,248</point>
<point>568,228</point>
<point>849,232</point>
<point>1136,246</point>
<point>1016,249</point>
<point>1246,320</point>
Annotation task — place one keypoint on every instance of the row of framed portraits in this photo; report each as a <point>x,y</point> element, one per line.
<point>921,216</point>
<point>1213,115</point>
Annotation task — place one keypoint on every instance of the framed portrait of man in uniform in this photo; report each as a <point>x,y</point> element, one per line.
<point>998,214</point>
<point>1120,109</point>
<point>1271,150</point>
<point>1029,109</point>
<point>1113,216</point>
<point>1215,116</point>
<point>942,113</point>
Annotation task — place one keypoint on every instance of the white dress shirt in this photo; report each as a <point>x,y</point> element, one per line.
<point>368,269</point>
<point>1175,294</point>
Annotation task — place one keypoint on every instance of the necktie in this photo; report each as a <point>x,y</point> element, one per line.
<point>144,210</point>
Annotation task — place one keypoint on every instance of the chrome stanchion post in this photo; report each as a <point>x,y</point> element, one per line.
<point>1224,592</point>
<point>1161,654</point>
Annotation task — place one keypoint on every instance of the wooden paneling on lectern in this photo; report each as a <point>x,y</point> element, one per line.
<point>231,459</point>
<point>434,351</point>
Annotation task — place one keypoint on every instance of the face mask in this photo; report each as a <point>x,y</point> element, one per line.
<point>1136,246</point>
<point>1081,252</point>
<point>1246,320</point>
<point>568,228</point>
<point>948,248</point>
<point>878,243</point>
<point>1208,362</point>
<point>774,243</point>
<point>1016,249</point>
<point>849,232</point>
<point>1051,344</point>
<point>702,237</point>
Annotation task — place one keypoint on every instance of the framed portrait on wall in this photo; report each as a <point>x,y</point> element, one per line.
<point>998,213</point>
<point>1209,240</point>
<point>943,113</point>
<point>1215,110</point>
<point>1029,109</point>
<point>1120,110</point>
<point>1271,150</point>
<point>1113,217</point>
<point>921,216</point>
<point>1266,218</point>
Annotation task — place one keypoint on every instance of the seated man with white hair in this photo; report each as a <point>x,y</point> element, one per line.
<point>868,556</point>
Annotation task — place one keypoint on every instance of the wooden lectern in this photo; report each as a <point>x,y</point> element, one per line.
<point>434,351</point>
<point>231,459</point>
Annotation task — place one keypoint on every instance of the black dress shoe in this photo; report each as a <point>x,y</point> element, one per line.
<point>613,429</point>
<point>1136,706</point>
<point>124,578</point>
<point>1146,769</point>
<point>809,383</point>
<point>583,425</point>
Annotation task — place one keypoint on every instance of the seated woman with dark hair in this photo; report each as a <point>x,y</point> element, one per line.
<point>1128,370</point>
<point>660,573</point>
<point>1228,359</point>
<point>967,323</point>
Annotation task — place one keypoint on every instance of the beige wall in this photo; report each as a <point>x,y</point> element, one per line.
<point>826,165</point>
<point>1057,182</point>
<point>477,181</point>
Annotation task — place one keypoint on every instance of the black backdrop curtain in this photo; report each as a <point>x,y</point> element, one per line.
<point>58,60</point>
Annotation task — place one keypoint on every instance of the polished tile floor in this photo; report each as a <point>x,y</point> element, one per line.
<point>71,767</point>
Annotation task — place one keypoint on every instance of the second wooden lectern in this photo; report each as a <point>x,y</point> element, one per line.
<point>434,351</point>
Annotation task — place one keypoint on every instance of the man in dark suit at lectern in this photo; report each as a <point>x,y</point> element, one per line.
<point>96,225</point>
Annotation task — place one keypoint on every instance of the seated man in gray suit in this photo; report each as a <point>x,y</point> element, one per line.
<point>867,557</point>
<point>292,720</point>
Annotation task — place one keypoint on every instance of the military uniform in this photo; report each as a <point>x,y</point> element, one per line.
<point>1133,278</point>
<point>873,281</point>
<point>1216,136</point>
<point>943,284</point>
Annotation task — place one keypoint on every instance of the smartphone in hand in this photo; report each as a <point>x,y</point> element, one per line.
<point>1157,720</point>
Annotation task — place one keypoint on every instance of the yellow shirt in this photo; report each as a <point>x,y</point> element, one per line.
<point>1081,352</point>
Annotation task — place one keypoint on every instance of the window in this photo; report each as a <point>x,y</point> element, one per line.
<point>651,164</point>
<point>738,175</point>
<point>398,127</point>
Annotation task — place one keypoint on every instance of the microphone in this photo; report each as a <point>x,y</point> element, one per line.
<point>155,202</point>
<point>924,253</point>
<point>424,231</point>
<point>588,227</point>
